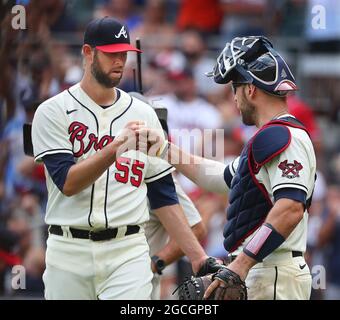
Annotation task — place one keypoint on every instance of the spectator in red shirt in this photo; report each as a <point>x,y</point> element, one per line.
<point>202,15</point>
<point>305,114</point>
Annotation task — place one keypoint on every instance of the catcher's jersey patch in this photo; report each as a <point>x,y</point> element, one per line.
<point>290,170</point>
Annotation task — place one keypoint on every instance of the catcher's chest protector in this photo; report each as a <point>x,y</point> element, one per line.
<point>249,202</point>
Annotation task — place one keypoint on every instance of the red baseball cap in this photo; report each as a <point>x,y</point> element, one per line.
<point>108,35</point>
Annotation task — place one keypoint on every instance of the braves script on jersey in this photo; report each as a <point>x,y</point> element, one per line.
<point>72,122</point>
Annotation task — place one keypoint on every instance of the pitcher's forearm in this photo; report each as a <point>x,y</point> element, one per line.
<point>174,221</point>
<point>85,173</point>
<point>171,252</point>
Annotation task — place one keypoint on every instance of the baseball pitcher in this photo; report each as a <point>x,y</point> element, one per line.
<point>98,184</point>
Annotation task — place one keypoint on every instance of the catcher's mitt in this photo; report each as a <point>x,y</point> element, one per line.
<point>233,288</point>
<point>194,288</point>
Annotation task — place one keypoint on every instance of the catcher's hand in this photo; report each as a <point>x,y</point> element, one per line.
<point>223,285</point>
<point>226,285</point>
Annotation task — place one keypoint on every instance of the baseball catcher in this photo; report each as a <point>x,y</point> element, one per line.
<point>270,184</point>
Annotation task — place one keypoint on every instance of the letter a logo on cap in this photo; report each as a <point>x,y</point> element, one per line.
<point>122,32</point>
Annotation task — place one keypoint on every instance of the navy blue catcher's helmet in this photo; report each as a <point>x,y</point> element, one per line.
<point>253,60</point>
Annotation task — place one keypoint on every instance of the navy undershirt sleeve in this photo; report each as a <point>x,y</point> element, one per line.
<point>162,192</point>
<point>58,166</point>
<point>228,176</point>
<point>291,193</point>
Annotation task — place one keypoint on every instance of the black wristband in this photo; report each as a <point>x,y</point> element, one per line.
<point>159,263</point>
<point>263,243</point>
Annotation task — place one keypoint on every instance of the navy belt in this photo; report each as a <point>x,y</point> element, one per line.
<point>100,235</point>
<point>297,254</point>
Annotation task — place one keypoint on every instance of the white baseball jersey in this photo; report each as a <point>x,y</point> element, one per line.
<point>73,123</point>
<point>293,168</point>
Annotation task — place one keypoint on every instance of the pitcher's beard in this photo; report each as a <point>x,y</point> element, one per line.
<point>101,77</point>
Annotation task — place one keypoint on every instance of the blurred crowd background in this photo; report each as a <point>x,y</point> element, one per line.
<point>180,40</point>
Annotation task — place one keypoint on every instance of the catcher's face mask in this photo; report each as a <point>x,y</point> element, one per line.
<point>253,60</point>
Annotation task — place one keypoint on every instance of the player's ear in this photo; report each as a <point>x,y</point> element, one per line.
<point>87,52</point>
<point>251,91</point>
